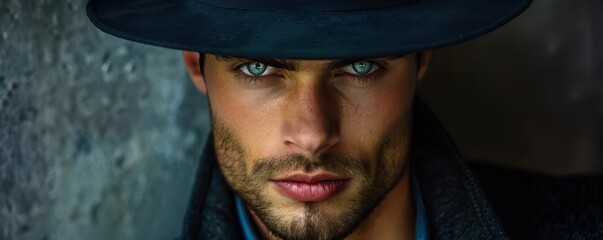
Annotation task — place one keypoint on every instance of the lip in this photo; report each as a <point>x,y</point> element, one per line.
<point>310,178</point>
<point>310,188</point>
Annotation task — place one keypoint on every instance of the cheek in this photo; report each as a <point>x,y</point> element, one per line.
<point>250,120</point>
<point>370,120</point>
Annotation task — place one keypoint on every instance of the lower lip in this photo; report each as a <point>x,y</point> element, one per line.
<point>310,192</point>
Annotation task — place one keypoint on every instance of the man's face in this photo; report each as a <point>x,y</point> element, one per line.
<point>311,146</point>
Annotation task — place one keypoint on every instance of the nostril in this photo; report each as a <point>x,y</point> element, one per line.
<point>327,145</point>
<point>312,146</point>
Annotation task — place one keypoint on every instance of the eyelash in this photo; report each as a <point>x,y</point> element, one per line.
<point>253,80</point>
<point>365,79</point>
<point>247,79</point>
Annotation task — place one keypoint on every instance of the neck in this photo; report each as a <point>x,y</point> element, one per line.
<point>393,218</point>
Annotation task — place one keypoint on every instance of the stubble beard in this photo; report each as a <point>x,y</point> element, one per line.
<point>375,181</point>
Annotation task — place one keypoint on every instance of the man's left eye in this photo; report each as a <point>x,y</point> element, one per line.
<point>361,68</point>
<point>256,69</point>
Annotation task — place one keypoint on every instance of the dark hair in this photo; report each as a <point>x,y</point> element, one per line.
<point>201,62</point>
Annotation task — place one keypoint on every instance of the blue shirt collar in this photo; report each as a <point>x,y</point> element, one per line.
<point>246,226</point>
<point>421,231</point>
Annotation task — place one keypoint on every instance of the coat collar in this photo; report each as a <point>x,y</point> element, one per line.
<point>456,205</point>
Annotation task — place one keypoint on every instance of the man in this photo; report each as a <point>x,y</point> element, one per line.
<point>316,130</point>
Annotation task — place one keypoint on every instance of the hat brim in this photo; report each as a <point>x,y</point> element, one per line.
<point>194,26</point>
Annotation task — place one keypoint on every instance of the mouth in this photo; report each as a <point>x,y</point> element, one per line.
<point>310,188</point>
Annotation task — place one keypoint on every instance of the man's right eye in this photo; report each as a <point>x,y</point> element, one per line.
<point>256,69</point>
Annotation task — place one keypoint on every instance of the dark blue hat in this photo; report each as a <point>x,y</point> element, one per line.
<point>302,29</point>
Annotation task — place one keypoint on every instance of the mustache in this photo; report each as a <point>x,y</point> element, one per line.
<point>347,165</point>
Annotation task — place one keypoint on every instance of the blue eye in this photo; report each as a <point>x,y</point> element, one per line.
<point>254,68</point>
<point>361,68</point>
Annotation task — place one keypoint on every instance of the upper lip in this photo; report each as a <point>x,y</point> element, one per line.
<point>310,178</point>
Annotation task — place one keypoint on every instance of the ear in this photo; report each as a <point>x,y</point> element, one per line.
<point>423,64</point>
<point>193,66</point>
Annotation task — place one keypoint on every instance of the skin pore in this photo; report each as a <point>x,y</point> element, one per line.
<point>272,118</point>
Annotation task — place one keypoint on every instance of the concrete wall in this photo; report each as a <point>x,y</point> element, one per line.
<point>99,137</point>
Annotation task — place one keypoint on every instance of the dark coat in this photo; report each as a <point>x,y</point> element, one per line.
<point>462,201</point>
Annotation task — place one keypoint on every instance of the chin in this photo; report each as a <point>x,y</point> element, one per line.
<point>314,221</point>
<point>333,218</point>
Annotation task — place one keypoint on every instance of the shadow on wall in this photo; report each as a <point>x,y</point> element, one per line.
<point>530,94</point>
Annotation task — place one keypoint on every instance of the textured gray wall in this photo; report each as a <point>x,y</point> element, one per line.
<point>99,137</point>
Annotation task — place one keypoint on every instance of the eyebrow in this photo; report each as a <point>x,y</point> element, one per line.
<point>274,62</point>
<point>344,62</point>
<point>290,65</point>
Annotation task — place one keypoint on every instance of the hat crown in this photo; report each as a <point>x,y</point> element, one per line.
<point>302,29</point>
<point>305,5</point>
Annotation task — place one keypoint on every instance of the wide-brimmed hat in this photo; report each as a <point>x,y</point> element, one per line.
<point>302,29</point>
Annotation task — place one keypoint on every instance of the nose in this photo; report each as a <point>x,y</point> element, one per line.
<point>312,126</point>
